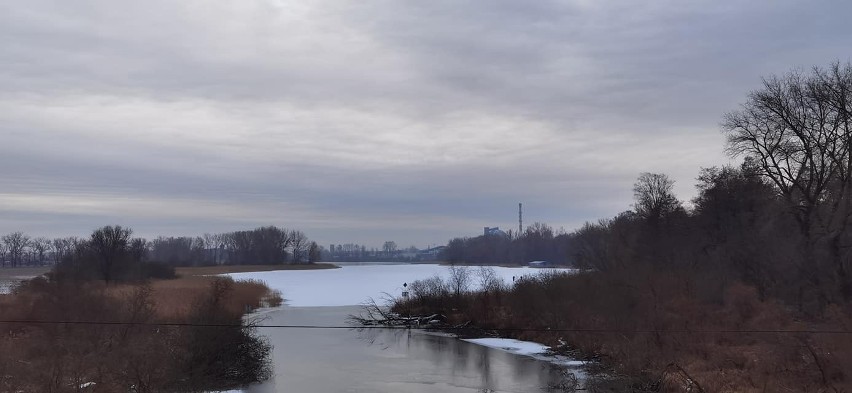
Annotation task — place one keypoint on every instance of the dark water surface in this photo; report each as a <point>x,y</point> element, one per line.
<point>398,361</point>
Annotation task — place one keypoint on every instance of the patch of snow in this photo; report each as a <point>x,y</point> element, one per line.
<point>511,345</point>
<point>527,348</point>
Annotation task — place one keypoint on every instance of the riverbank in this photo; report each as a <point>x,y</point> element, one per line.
<point>227,269</point>
<point>654,331</point>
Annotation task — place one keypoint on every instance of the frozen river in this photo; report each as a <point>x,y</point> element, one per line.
<point>382,360</point>
<point>12,276</point>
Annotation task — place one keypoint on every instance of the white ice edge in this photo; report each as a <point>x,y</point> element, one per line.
<point>511,345</point>
<point>527,348</point>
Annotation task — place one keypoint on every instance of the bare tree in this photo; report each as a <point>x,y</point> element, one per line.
<point>109,244</point>
<point>199,251</point>
<point>3,253</point>
<point>489,281</point>
<point>16,244</point>
<point>654,196</point>
<point>63,247</point>
<point>460,277</point>
<point>139,249</point>
<point>314,252</point>
<point>212,245</point>
<point>172,250</point>
<point>299,243</point>
<point>221,244</point>
<point>798,129</point>
<point>389,248</point>
<point>41,248</point>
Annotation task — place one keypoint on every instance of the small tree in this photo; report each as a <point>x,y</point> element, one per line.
<point>109,245</point>
<point>300,245</point>
<point>314,252</point>
<point>459,279</point>
<point>389,248</point>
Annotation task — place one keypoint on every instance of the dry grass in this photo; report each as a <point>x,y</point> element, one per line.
<point>58,357</point>
<point>174,299</point>
<point>225,269</point>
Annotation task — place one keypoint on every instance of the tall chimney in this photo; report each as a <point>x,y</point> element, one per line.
<point>520,218</point>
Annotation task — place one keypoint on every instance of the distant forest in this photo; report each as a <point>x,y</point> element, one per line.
<point>261,246</point>
<point>538,242</point>
<point>351,252</point>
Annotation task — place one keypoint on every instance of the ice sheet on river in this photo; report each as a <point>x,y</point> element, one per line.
<point>354,285</point>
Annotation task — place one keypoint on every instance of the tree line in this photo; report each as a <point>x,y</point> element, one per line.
<point>263,245</point>
<point>351,252</point>
<point>538,242</point>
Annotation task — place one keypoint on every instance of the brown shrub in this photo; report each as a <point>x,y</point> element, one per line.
<point>643,324</point>
<point>146,355</point>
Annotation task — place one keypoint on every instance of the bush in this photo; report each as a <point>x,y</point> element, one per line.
<point>657,329</point>
<point>115,357</point>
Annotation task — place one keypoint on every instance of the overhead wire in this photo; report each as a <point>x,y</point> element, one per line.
<point>442,328</point>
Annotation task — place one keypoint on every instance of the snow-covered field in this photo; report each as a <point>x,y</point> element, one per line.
<point>355,284</point>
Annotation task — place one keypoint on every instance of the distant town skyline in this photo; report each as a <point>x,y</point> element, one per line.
<point>367,122</point>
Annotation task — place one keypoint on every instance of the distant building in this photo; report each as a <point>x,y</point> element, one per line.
<point>488,231</point>
<point>430,254</point>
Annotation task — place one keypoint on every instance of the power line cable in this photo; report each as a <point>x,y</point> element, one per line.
<point>403,327</point>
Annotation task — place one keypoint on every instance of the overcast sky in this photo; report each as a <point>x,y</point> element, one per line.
<point>365,121</point>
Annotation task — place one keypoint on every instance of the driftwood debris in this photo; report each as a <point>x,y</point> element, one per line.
<point>374,314</point>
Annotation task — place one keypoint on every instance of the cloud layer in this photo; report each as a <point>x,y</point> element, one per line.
<point>375,120</point>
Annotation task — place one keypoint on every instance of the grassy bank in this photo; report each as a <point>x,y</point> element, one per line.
<point>655,331</point>
<point>184,334</point>
<point>225,269</point>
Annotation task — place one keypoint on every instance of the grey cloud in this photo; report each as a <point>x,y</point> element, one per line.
<point>368,120</point>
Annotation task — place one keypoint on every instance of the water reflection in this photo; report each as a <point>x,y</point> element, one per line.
<point>382,360</point>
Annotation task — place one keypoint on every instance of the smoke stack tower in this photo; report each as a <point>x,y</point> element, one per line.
<point>520,218</point>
